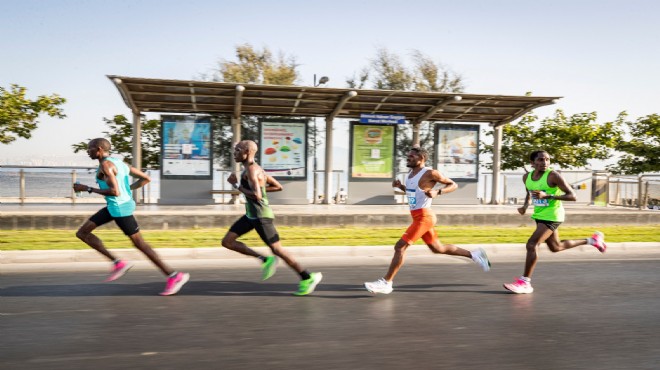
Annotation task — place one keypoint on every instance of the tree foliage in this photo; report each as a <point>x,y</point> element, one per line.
<point>120,134</point>
<point>18,114</point>
<point>571,141</point>
<point>388,71</point>
<point>642,151</point>
<point>256,66</point>
<point>251,66</point>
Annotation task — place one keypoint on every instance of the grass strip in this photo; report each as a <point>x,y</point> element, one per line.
<point>307,236</point>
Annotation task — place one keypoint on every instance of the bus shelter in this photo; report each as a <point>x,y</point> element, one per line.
<point>143,95</point>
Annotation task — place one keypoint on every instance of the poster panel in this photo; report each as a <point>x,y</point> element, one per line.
<point>186,147</point>
<point>283,148</point>
<point>457,151</point>
<point>372,151</point>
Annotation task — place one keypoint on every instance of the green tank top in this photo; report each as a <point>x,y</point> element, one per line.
<point>254,209</point>
<point>545,209</point>
<point>123,204</point>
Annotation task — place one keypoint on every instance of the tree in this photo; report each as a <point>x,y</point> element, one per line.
<point>18,115</point>
<point>570,141</point>
<point>642,151</point>
<point>252,66</point>
<point>387,71</point>
<point>120,135</point>
<point>258,67</point>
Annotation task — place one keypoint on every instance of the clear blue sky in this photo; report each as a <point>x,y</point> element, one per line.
<point>600,56</point>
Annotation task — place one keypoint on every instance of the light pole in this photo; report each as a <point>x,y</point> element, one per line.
<point>322,81</point>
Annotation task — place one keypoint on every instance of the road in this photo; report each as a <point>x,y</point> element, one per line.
<point>600,314</point>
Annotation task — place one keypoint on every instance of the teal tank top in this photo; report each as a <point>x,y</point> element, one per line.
<point>545,209</point>
<point>123,204</point>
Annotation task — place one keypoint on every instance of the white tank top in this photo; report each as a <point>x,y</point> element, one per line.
<point>416,197</point>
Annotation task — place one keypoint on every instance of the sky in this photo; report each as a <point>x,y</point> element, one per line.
<point>599,55</point>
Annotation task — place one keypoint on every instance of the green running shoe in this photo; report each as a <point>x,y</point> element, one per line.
<point>268,267</point>
<point>307,286</point>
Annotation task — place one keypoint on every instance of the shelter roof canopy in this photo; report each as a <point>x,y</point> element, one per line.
<point>180,96</point>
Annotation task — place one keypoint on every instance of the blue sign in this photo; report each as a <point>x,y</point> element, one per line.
<point>387,119</point>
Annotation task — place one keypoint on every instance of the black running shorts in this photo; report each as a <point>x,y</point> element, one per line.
<point>127,224</point>
<point>264,226</point>
<point>552,225</point>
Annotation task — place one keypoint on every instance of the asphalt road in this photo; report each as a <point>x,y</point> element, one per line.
<point>601,314</point>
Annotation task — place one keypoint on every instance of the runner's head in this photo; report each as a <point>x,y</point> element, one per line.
<point>245,150</point>
<point>540,160</point>
<point>417,156</point>
<point>98,148</point>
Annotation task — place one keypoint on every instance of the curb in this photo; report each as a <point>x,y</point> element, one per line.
<point>496,251</point>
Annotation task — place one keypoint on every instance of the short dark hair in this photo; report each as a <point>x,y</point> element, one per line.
<point>532,157</point>
<point>101,143</point>
<point>421,151</point>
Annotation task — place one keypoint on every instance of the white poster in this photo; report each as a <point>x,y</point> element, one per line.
<point>283,147</point>
<point>457,151</point>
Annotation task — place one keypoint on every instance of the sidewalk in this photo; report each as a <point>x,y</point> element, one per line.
<point>216,257</point>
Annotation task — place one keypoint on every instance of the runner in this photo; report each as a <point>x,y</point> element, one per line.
<point>420,190</point>
<point>254,184</point>
<point>547,189</point>
<point>113,179</point>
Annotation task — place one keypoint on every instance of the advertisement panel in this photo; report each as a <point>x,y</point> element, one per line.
<point>457,151</point>
<point>186,147</point>
<point>372,151</point>
<point>283,148</point>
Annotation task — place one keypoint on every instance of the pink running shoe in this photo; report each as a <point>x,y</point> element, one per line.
<point>598,241</point>
<point>175,283</point>
<point>118,270</point>
<point>519,286</point>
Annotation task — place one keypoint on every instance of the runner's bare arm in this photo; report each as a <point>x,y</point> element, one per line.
<point>555,179</point>
<point>396,183</point>
<point>523,209</point>
<point>272,184</point>
<point>253,179</point>
<point>142,178</point>
<point>438,178</point>
<point>110,176</point>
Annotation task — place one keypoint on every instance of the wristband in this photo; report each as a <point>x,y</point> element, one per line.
<point>236,186</point>
<point>89,190</point>
<point>439,191</point>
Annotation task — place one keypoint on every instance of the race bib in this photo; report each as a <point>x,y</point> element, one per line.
<point>540,202</point>
<point>412,200</point>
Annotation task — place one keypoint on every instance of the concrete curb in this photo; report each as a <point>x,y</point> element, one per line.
<point>495,251</point>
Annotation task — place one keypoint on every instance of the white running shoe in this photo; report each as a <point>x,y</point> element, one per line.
<point>519,286</point>
<point>481,258</point>
<point>379,286</point>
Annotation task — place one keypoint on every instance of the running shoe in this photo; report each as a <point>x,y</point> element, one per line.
<point>379,286</point>
<point>307,286</point>
<point>520,286</point>
<point>118,270</point>
<point>268,267</point>
<point>598,241</point>
<point>481,258</point>
<point>175,283</point>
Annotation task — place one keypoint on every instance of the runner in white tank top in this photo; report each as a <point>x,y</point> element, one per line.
<point>417,198</point>
<point>419,187</point>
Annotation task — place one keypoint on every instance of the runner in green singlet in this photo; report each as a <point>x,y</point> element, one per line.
<point>547,189</point>
<point>255,184</point>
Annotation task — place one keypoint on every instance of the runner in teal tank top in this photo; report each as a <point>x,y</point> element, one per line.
<point>254,184</point>
<point>547,189</point>
<point>113,178</point>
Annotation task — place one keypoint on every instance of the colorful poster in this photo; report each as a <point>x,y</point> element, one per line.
<point>186,149</point>
<point>283,148</point>
<point>372,154</point>
<point>457,150</point>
